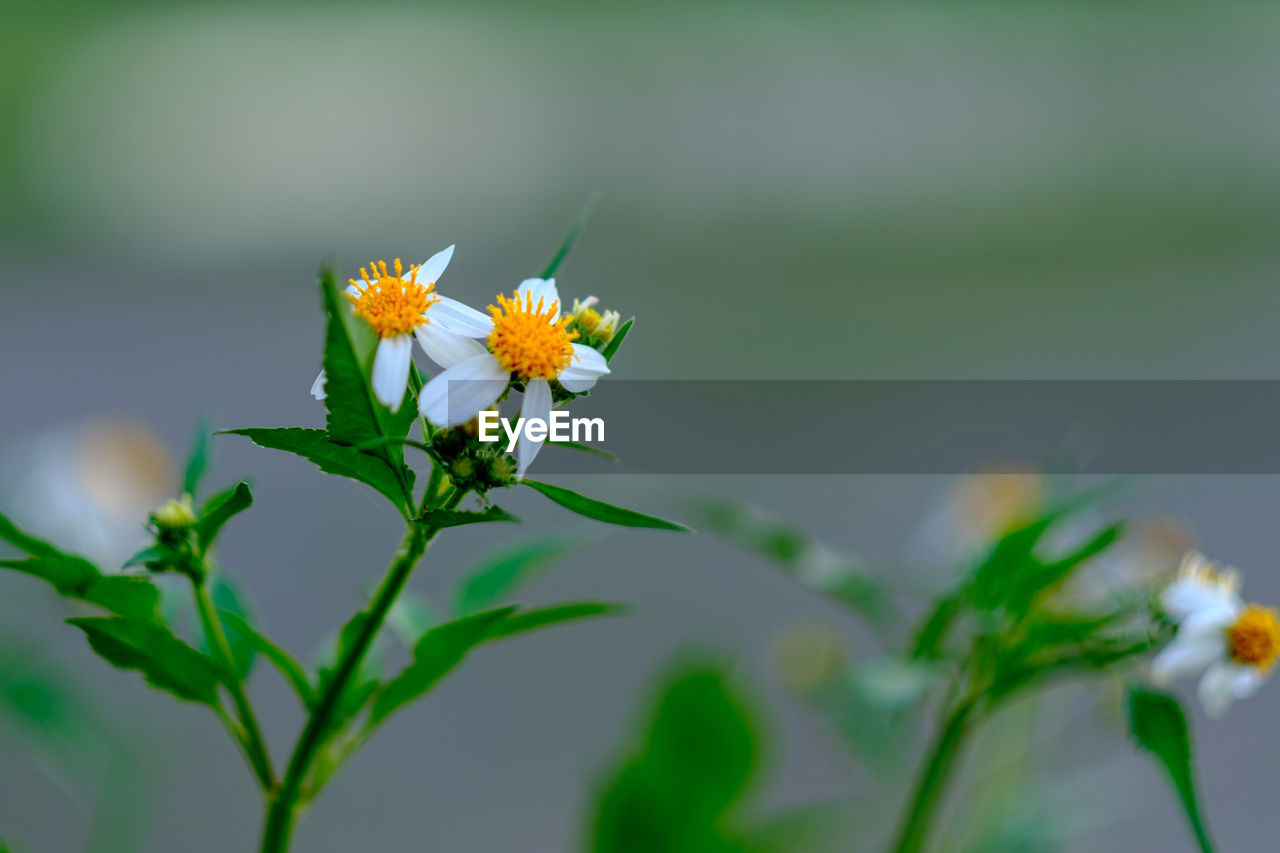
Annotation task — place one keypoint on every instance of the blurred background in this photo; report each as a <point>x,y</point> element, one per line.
<point>987,189</point>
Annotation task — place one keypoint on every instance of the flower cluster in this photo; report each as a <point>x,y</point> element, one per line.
<point>525,343</point>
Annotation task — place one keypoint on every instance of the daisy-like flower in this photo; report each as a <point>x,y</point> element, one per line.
<point>527,339</point>
<point>1233,643</point>
<point>402,305</point>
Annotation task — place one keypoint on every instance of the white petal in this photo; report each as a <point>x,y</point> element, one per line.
<point>430,272</point>
<point>446,348</point>
<point>458,394</point>
<point>1217,688</point>
<point>317,387</point>
<point>584,369</point>
<point>1186,656</point>
<point>1210,622</point>
<point>353,290</point>
<point>540,288</point>
<point>460,318</point>
<point>1247,681</point>
<point>391,370</point>
<point>536,404</point>
<point>1187,595</point>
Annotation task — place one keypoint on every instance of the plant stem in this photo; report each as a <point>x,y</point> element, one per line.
<point>254,743</point>
<point>282,809</point>
<point>931,783</point>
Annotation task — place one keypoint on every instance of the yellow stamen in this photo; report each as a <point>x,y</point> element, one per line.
<point>530,340</point>
<point>1254,639</point>
<point>390,304</point>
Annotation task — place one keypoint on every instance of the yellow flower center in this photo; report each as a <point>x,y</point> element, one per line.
<point>530,340</point>
<point>390,304</point>
<point>1254,639</point>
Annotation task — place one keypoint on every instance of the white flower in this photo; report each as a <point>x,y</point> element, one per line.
<point>400,306</point>
<point>527,339</point>
<point>1234,644</point>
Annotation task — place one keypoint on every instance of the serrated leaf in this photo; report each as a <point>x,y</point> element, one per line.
<point>544,617</point>
<point>315,446</point>
<point>354,416</point>
<point>197,460</point>
<point>579,222</point>
<point>601,511</point>
<point>79,579</point>
<point>439,519</point>
<point>501,574</point>
<point>293,672</point>
<point>439,651</point>
<point>1159,725</point>
<point>611,348</point>
<point>219,509</point>
<point>148,647</point>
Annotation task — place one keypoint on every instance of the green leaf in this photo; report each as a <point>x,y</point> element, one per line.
<point>410,617</point>
<point>10,533</point>
<point>489,583</point>
<point>219,509</point>
<point>76,578</point>
<point>362,685</point>
<point>150,648</point>
<point>315,446</point>
<point>837,575</point>
<point>1158,724</point>
<point>601,511</point>
<point>136,597</point>
<point>354,415</point>
<point>439,651</point>
<point>543,617</point>
<point>292,671</point>
<point>677,792</point>
<point>611,348</point>
<point>579,221</point>
<point>197,460</point>
<point>439,519</point>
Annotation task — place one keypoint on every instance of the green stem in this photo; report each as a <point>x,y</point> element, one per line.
<point>932,781</point>
<point>282,810</point>
<point>254,743</point>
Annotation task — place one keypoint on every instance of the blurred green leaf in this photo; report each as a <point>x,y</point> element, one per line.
<point>542,617</point>
<point>197,460</point>
<point>439,519</point>
<point>807,561</point>
<point>220,509</point>
<point>354,415</point>
<point>579,222</point>
<point>489,583</point>
<point>360,688</point>
<point>1159,725</point>
<point>439,651</point>
<point>293,672</point>
<point>315,446</point>
<point>678,792</point>
<point>124,595</point>
<point>611,348</point>
<point>150,648</point>
<point>410,617</point>
<point>10,533</point>
<point>601,511</point>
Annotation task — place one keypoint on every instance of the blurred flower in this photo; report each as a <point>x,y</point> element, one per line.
<point>90,487</point>
<point>1233,643</point>
<point>1144,560</point>
<point>808,655</point>
<point>529,340</point>
<point>979,509</point>
<point>400,306</point>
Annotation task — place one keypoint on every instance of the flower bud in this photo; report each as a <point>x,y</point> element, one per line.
<point>175,514</point>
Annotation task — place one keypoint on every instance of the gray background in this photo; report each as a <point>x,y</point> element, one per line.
<point>933,191</point>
